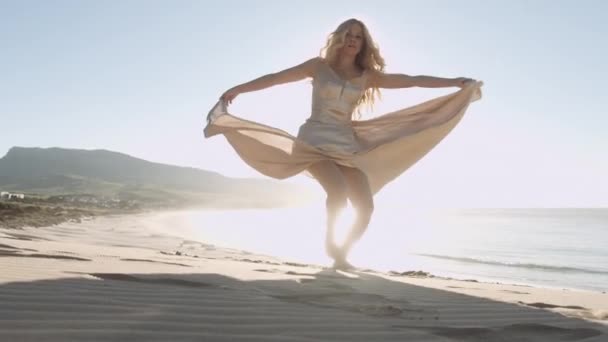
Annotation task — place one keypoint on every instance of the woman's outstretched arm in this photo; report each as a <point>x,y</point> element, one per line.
<point>292,74</point>
<point>394,81</point>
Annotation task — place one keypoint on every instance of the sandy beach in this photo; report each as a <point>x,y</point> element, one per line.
<point>116,279</point>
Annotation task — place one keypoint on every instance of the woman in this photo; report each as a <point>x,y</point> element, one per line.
<point>351,159</point>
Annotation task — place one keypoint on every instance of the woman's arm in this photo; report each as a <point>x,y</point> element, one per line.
<point>393,81</point>
<point>293,74</point>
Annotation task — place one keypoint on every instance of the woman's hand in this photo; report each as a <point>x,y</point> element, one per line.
<point>461,82</point>
<point>229,95</point>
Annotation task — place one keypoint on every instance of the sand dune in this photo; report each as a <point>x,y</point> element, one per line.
<point>112,279</point>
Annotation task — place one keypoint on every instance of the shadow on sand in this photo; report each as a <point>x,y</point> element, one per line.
<point>321,306</point>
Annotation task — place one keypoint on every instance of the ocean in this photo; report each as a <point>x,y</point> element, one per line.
<point>557,248</point>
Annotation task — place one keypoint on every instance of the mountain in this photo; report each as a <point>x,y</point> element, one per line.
<point>59,171</point>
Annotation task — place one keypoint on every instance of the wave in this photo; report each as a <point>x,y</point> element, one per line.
<point>515,264</point>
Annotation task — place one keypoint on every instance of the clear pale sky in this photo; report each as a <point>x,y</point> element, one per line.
<point>138,77</point>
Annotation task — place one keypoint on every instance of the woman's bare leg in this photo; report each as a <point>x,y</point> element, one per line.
<point>329,175</point>
<point>361,198</point>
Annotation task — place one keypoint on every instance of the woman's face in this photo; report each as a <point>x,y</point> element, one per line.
<point>353,42</point>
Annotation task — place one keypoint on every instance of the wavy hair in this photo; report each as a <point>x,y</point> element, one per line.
<point>368,59</point>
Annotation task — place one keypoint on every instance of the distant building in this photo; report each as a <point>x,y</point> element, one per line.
<point>8,195</point>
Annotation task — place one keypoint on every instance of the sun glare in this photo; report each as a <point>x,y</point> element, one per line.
<point>345,221</point>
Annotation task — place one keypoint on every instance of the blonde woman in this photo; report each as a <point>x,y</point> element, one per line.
<point>351,159</point>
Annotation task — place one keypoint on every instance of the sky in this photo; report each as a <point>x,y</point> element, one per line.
<point>139,77</point>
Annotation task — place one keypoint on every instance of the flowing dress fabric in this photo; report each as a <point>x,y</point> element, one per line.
<point>383,147</point>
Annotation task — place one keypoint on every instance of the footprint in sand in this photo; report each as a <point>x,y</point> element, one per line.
<point>365,303</point>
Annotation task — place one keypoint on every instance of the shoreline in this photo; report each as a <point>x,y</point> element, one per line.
<point>178,230</point>
<point>182,232</point>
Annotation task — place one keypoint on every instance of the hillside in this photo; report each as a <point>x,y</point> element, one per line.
<point>102,173</point>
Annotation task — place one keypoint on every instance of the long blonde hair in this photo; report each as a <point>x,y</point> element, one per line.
<point>368,59</point>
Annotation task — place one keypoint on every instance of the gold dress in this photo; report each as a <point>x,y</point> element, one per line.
<point>382,147</point>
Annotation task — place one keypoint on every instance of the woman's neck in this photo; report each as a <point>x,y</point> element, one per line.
<point>346,63</point>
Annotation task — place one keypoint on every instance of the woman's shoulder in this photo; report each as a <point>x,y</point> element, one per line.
<point>372,72</point>
<point>316,63</point>
<point>372,76</point>
<point>319,60</point>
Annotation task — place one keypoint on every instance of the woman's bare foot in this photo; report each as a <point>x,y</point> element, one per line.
<point>343,265</point>
<point>337,253</point>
